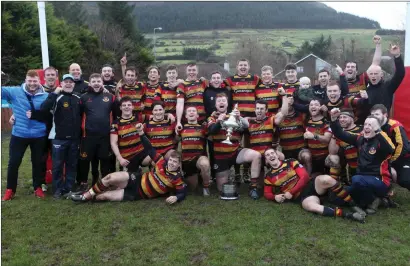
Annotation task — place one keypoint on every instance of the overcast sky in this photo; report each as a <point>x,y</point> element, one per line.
<point>390,15</point>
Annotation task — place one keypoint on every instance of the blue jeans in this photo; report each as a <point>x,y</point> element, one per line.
<point>366,188</point>
<point>64,152</point>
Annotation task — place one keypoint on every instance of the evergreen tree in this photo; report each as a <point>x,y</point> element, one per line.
<point>21,47</point>
<point>71,12</point>
<point>121,14</point>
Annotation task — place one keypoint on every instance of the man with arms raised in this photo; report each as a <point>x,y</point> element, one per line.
<point>287,180</point>
<point>125,140</point>
<point>381,91</point>
<point>358,82</point>
<point>164,178</point>
<point>227,155</point>
<point>373,179</point>
<point>194,159</point>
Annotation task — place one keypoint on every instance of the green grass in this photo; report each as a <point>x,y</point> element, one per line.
<point>228,39</point>
<point>197,231</point>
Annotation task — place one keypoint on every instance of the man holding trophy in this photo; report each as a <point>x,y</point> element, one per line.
<point>226,130</point>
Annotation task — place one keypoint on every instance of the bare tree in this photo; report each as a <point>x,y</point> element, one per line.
<point>258,55</point>
<point>111,36</point>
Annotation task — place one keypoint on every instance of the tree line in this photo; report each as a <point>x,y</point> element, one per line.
<point>188,16</point>
<point>73,36</point>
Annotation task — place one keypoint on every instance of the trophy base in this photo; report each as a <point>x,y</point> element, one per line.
<point>229,192</point>
<point>227,142</point>
<point>229,197</point>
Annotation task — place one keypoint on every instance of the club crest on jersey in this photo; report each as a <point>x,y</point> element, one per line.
<point>372,150</point>
<point>105,99</point>
<point>65,104</point>
<point>84,154</point>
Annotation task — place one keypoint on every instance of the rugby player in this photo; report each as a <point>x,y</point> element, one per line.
<point>400,160</point>
<point>125,140</point>
<point>161,131</point>
<point>291,132</point>
<point>164,178</point>
<point>152,89</point>
<point>194,159</point>
<point>226,155</point>
<point>318,135</point>
<point>288,180</point>
<point>191,93</point>
<point>268,91</point>
<point>373,178</point>
<point>333,161</point>
<point>243,85</point>
<point>97,107</point>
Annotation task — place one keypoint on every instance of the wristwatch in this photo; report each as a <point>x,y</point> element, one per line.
<point>316,137</point>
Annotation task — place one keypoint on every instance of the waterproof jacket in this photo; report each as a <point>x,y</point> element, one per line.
<point>19,99</point>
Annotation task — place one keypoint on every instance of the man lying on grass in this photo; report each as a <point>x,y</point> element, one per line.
<point>165,177</point>
<point>288,180</point>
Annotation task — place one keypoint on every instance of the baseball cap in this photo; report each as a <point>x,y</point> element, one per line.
<point>68,76</point>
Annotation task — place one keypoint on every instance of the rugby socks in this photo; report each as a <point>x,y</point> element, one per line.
<point>254,183</point>
<point>330,212</point>
<point>97,188</point>
<point>341,192</point>
<point>335,173</point>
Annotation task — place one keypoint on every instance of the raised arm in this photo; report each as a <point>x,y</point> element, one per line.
<point>123,63</point>
<point>400,71</point>
<point>280,116</point>
<point>377,57</point>
<point>180,105</point>
<point>344,86</point>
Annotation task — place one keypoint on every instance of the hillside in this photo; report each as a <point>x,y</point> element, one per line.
<point>189,16</point>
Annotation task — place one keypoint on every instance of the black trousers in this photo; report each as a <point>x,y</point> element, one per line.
<point>93,148</point>
<point>402,168</point>
<point>17,149</point>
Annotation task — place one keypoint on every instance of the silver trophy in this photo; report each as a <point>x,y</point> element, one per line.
<point>230,125</point>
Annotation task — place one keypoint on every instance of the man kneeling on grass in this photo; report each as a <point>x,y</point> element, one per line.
<point>288,180</point>
<point>165,177</point>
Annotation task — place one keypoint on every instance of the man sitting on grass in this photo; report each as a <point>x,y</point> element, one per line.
<point>165,177</point>
<point>288,180</point>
